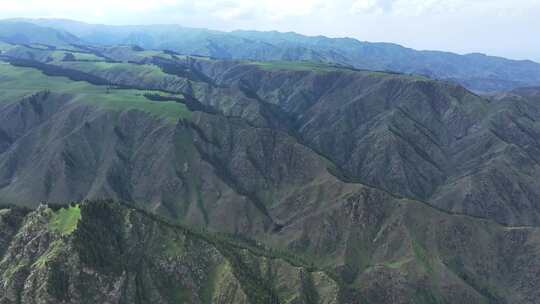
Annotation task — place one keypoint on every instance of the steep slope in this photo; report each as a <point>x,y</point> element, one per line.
<point>103,252</point>
<point>280,152</point>
<point>529,92</point>
<point>475,71</point>
<point>196,166</point>
<point>417,138</point>
<point>374,249</point>
<point>432,141</point>
<point>390,250</point>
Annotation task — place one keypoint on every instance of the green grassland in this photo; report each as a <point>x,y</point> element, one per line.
<point>324,68</point>
<point>5,46</point>
<point>64,221</point>
<point>60,54</point>
<point>150,53</point>
<point>57,55</point>
<point>86,56</point>
<point>18,82</point>
<point>39,46</point>
<point>71,48</point>
<point>146,71</point>
<point>295,66</point>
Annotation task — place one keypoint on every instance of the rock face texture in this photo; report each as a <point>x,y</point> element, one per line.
<point>364,187</point>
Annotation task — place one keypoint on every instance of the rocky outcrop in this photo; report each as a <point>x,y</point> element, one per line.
<point>114,254</point>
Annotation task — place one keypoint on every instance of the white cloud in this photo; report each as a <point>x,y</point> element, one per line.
<point>78,9</point>
<point>224,9</point>
<point>267,9</point>
<point>421,7</point>
<point>366,6</point>
<point>272,9</point>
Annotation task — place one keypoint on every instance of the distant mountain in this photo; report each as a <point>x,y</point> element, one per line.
<point>530,92</point>
<point>27,33</point>
<point>475,71</point>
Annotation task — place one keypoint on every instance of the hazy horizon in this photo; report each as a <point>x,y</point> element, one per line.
<point>497,27</point>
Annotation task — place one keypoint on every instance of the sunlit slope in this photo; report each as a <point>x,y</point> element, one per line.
<point>18,82</point>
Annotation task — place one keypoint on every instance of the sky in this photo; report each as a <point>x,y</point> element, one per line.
<point>508,28</point>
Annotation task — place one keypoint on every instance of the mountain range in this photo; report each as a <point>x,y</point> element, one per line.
<point>477,72</point>
<point>135,175</point>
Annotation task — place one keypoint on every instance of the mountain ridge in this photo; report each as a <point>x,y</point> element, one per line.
<point>279,153</point>
<point>478,72</point>
<point>440,139</point>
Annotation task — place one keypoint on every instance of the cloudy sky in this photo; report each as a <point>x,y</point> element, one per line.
<point>509,28</point>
